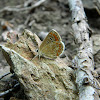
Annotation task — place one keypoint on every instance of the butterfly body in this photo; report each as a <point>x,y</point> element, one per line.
<point>52,46</point>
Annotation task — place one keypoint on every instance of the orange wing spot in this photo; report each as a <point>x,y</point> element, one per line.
<point>56,43</point>
<point>59,46</point>
<point>57,54</point>
<point>56,38</point>
<point>58,50</point>
<point>51,33</point>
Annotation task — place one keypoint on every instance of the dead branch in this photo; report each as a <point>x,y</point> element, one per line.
<point>84,58</point>
<point>97,5</point>
<point>17,9</point>
<point>4,75</point>
<point>8,91</point>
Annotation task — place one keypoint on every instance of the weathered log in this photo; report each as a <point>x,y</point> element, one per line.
<point>41,80</point>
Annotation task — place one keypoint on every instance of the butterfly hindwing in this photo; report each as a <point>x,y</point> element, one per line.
<point>51,37</point>
<point>52,50</point>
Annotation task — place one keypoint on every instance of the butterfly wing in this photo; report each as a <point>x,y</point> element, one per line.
<point>52,50</point>
<point>51,37</point>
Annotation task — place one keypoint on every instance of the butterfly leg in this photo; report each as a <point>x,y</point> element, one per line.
<point>39,58</point>
<point>34,57</point>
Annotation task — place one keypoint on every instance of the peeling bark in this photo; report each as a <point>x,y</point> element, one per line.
<point>83,61</point>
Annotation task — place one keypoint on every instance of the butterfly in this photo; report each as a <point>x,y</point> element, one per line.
<point>52,46</point>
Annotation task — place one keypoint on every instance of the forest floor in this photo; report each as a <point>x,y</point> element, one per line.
<point>40,19</point>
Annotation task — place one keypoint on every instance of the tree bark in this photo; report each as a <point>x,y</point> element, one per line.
<point>83,61</point>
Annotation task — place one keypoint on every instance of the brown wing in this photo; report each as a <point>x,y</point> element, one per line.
<point>51,37</point>
<point>52,50</point>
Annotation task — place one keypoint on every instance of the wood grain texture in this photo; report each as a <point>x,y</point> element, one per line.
<point>41,80</point>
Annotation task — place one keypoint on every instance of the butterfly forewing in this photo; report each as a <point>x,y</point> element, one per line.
<point>52,50</point>
<point>51,37</point>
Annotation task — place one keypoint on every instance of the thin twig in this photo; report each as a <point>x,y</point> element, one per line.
<point>97,5</point>
<point>27,20</point>
<point>4,75</point>
<point>8,91</point>
<point>16,9</point>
